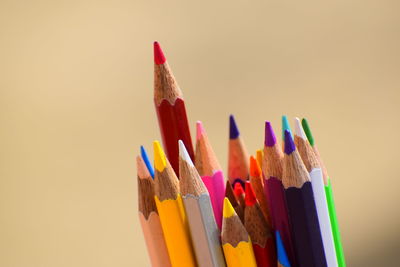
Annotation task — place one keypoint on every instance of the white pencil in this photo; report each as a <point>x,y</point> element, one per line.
<point>199,212</point>
<point>317,182</point>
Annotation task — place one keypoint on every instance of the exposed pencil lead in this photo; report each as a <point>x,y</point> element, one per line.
<point>184,154</point>
<point>285,126</point>
<point>269,139</point>
<point>307,130</point>
<point>159,57</point>
<point>146,160</point>
<point>228,210</point>
<point>238,189</point>
<point>255,169</point>
<point>200,130</point>
<point>289,144</point>
<point>298,129</point>
<point>233,130</point>
<point>160,161</point>
<point>250,197</point>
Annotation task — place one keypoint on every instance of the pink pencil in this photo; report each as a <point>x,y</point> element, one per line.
<point>210,171</point>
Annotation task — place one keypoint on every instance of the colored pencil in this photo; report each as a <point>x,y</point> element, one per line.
<point>211,172</point>
<point>238,158</point>
<point>283,260</point>
<point>312,165</point>
<point>202,225</point>
<point>272,170</point>
<point>149,218</point>
<point>239,193</point>
<point>236,242</point>
<point>146,160</point>
<point>170,208</point>
<point>329,198</point>
<point>285,127</point>
<point>257,183</point>
<point>259,231</point>
<point>301,208</point>
<point>170,108</point>
<point>234,201</point>
<point>260,156</point>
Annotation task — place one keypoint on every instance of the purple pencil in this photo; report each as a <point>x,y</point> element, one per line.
<point>272,170</point>
<point>302,211</point>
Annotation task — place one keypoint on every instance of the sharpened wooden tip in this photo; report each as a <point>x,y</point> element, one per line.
<point>160,160</point>
<point>142,171</point>
<point>298,129</point>
<point>238,189</point>
<point>285,126</point>
<point>250,197</point>
<point>200,130</point>
<point>228,209</point>
<point>184,154</point>
<point>255,169</point>
<point>259,156</point>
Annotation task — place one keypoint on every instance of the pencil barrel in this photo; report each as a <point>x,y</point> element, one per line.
<point>279,215</point>
<point>204,231</point>
<point>216,188</point>
<point>323,216</point>
<point>335,225</point>
<point>176,232</point>
<point>305,226</point>
<point>174,126</point>
<point>154,238</point>
<point>240,256</point>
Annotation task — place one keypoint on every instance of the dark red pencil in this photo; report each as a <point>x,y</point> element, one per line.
<point>259,230</point>
<point>171,111</point>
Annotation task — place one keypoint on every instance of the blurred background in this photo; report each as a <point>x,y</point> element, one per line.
<point>76,101</point>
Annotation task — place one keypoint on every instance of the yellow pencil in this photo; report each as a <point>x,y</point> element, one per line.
<point>236,242</point>
<point>260,156</point>
<point>171,211</point>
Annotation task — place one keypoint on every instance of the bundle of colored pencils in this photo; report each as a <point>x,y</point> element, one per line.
<point>275,209</point>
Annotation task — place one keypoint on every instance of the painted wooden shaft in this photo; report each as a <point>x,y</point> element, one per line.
<point>216,188</point>
<point>154,238</point>
<point>335,225</point>
<point>323,216</point>
<point>279,216</point>
<point>176,232</point>
<point>204,231</point>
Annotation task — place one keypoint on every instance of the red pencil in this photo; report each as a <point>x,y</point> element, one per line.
<point>259,230</point>
<point>171,111</point>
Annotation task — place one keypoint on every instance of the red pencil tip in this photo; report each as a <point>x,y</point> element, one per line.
<point>159,57</point>
<point>250,197</point>
<point>255,169</point>
<point>238,190</point>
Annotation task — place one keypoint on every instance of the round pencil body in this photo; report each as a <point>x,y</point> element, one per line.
<point>202,225</point>
<point>236,242</point>
<point>301,209</point>
<point>272,169</point>
<point>172,214</point>
<point>170,108</point>
<point>149,218</point>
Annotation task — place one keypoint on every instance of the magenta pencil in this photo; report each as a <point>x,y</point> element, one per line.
<point>210,171</point>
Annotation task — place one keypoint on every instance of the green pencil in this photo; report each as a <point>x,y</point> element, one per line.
<point>329,198</point>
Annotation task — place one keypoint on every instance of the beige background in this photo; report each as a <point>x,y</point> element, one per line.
<point>76,102</point>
